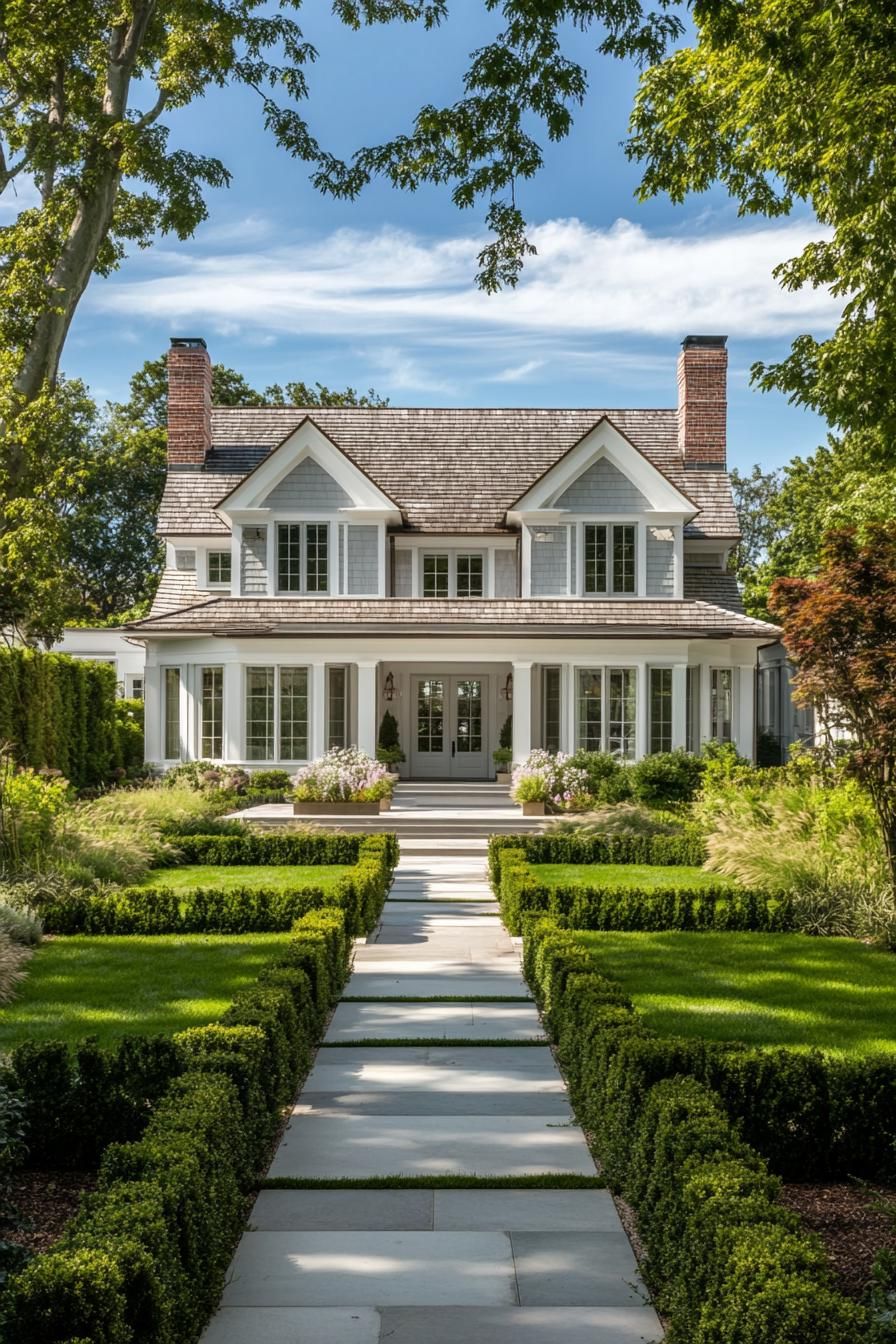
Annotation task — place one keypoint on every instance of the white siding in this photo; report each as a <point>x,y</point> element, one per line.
<point>660,565</point>
<point>362,562</point>
<point>402,573</point>
<point>548,563</point>
<point>506,574</point>
<point>253,561</point>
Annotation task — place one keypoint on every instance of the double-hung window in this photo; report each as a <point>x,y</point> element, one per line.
<point>469,576</point>
<point>276,713</point>
<point>211,711</point>
<point>436,576</point>
<point>219,570</point>
<point>661,709</point>
<point>610,559</point>
<point>303,558</point>
<point>606,710</point>
<point>453,574</point>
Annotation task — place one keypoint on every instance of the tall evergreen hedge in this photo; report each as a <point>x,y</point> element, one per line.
<point>59,713</point>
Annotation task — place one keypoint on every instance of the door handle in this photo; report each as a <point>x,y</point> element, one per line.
<point>452,746</point>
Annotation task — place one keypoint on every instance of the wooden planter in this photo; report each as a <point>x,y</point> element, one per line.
<point>385,804</point>
<point>533,809</point>
<point>315,808</point>
<point>502,777</point>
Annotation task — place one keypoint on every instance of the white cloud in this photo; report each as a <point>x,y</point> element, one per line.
<point>517,373</point>
<point>585,282</point>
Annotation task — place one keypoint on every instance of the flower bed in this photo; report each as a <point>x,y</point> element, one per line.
<point>549,778</point>
<point>345,779</point>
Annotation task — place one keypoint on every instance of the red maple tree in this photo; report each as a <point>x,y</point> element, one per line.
<point>840,631</point>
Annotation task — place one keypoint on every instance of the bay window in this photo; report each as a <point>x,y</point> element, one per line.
<point>303,558</point>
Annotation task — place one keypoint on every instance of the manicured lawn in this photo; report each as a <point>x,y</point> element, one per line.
<point>107,987</point>
<point>625,875</point>
<point>225,878</point>
<point>776,989</point>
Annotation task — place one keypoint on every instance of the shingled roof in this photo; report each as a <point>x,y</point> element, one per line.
<point>445,616</point>
<point>449,470</point>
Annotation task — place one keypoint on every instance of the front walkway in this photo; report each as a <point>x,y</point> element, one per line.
<point>436,1266</point>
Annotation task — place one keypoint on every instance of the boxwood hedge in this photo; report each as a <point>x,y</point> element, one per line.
<point>144,1260</point>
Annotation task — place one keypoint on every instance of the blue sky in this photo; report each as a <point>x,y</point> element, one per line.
<point>379,292</point>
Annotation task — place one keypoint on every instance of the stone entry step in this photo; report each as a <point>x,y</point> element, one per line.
<point>473,1021</point>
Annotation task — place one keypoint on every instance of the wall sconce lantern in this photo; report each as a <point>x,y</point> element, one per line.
<point>389,687</point>
<point>507,688</point>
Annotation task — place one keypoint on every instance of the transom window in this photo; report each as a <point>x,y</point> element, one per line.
<point>606,710</point>
<point>610,558</point>
<point>276,713</point>
<point>303,558</point>
<point>219,567</point>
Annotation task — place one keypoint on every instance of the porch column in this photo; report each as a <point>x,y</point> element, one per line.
<point>317,738</point>
<point>744,705</point>
<point>642,698</point>
<point>679,705</point>
<point>367,707</point>
<point>522,711</point>
<point>152,712</point>
<point>234,709</point>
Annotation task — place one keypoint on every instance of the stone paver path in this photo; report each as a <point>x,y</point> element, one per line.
<point>479,1266</point>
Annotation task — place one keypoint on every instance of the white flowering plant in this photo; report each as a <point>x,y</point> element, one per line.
<point>550,777</point>
<point>344,774</point>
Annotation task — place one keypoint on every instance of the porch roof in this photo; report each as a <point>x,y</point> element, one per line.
<point>435,617</point>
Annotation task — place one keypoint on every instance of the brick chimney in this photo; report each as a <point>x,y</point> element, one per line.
<point>189,402</point>
<point>702,401</point>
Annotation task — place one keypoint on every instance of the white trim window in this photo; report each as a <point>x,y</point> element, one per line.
<point>606,710</point>
<point>337,707</point>
<point>219,568</point>
<point>660,709</point>
<point>211,713</point>
<point>171,720</point>
<point>551,708</point>
<point>721,703</point>
<point>452,574</point>
<point>277,713</point>
<point>610,559</point>
<point>303,558</point>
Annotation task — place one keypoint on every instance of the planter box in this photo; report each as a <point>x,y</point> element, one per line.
<point>385,804</point>
<point>316,808</point>
<point>533,809</point>
<point>502,777</point>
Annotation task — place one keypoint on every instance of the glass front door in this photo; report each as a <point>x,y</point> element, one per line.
<point>449,728</point>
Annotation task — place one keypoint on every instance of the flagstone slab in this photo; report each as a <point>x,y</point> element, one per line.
<point>435,914</point>
<point>519,1325</point>
<point>576,1269</point>
<point>294,1325</point>
<point>323,1269</point>
<point>442,1066</point>
<point>482,1021</point>
<point>437,984</point>
<point>353,1146</point>
<point>432,1103</point>
<point>345,1211</point>
<point>525,1211</point>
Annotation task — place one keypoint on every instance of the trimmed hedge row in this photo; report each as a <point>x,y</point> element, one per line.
<point>77,1101</point>
<point>630,909</point>
<point>60,712</point>
<point>685,850</point>
<point>725,1260</point>
<point>150,910</point>
<point>811,1116</point>
<point>263,848</point>
<point>144,1260</point>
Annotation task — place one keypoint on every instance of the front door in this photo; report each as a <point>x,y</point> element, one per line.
<point>450,737</point>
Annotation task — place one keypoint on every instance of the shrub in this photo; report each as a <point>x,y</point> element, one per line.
<point>12,966</point>
<point>559,846</point>
<point>129,733</point>
<point>607,779</point>
<point>388,744</point>
<point>667,777</point>
<point>343,774</point>
<point>29,807</point>
<point>618,819</point>
<point>19,925</point>
<point>548,777</point>
<point>269,780</point>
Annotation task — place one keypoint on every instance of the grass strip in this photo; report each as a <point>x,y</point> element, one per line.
<point>560,1181</point>
<point>386,1041</point>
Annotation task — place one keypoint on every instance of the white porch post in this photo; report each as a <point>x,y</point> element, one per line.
<point>152,712</point>
<point>367,707</point>
<point>234,709</point>
<point>317,742</point>
<point>522,711</point>
<point>642,696</point>
<point>743,711</point>
<point>679,705</point>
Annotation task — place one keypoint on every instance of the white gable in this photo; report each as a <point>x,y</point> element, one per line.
<point>603,473</point>
<point>307,472</point>
<point>602,488</point>
<point>308,486</point>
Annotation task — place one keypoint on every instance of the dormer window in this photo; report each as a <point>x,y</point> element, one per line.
<point>610,559</point>
<point>219,570</point>
<point>453,574</point>
<point>302,558</point>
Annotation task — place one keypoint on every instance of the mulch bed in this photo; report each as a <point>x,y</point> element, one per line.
<point>46,1201</point>
<point>851,1228</point>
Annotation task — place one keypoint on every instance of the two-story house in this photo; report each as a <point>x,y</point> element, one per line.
<point>457,567</point>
